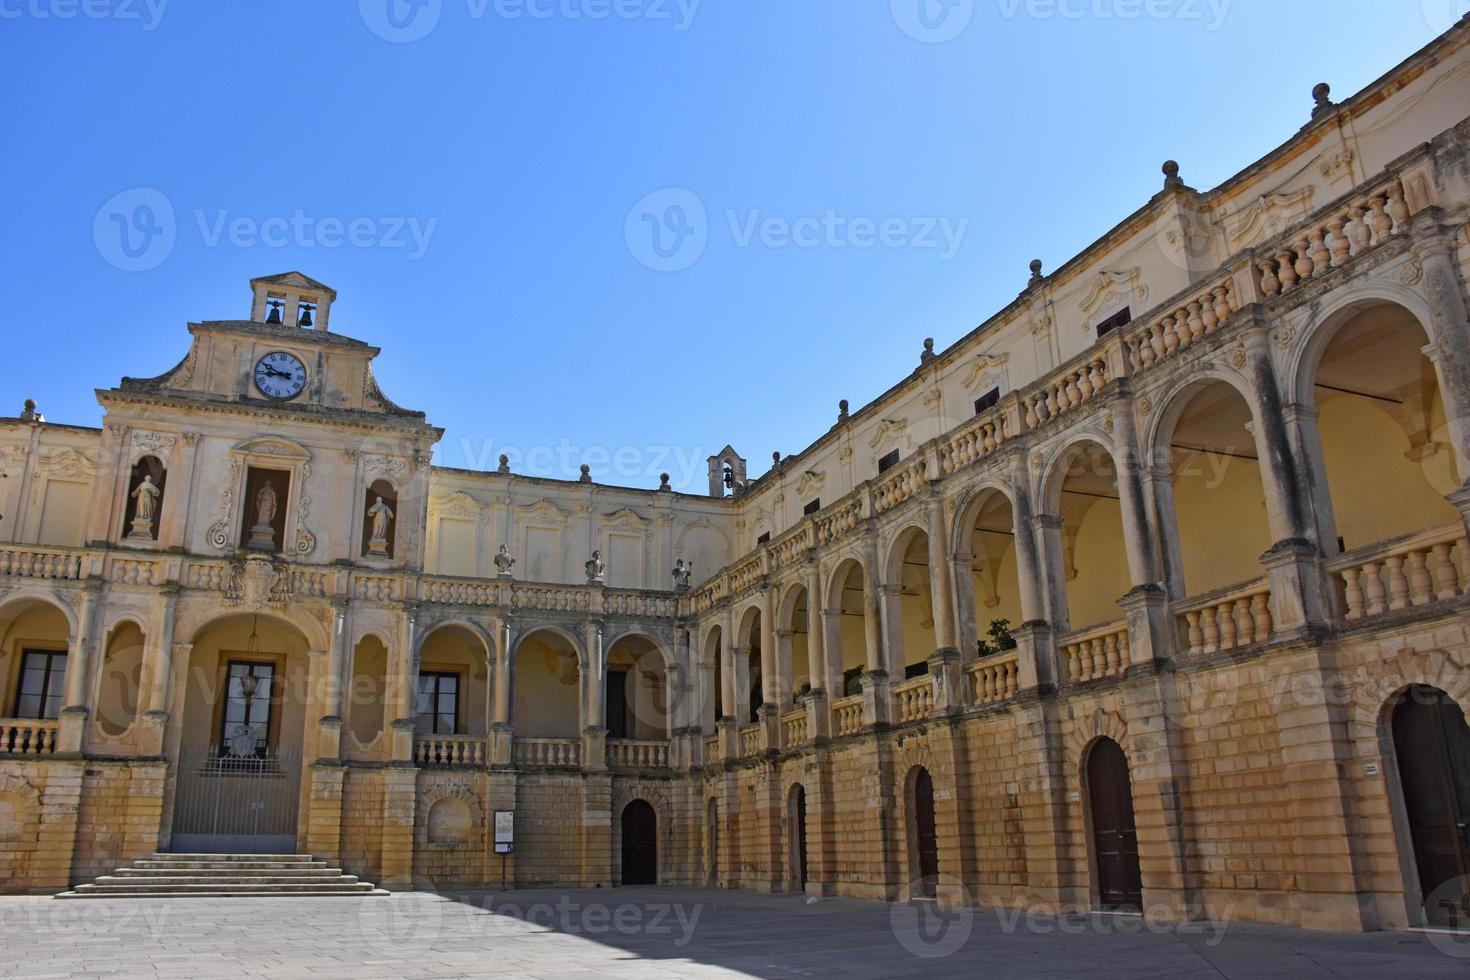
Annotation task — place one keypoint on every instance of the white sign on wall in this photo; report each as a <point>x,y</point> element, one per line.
<point>504,831</point>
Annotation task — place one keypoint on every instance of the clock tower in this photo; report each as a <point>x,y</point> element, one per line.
<point>269,436</point>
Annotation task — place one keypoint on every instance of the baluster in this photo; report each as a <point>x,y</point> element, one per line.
<point>1286,270</point>
<point>1210,630</point>
<point>1099,374</point>
<point>1223,308</point>
<point>1196,322</point>
<point>1397,209</point>
<point>1398,582</point>
<point>1261,614</point>
<point>1317,251</point>
<point>1156,337</point>
<point>1084,384</point>
<point>1245,626</point>
<point>1304,264</point>
<point>1196,635</point>
<point>1112,658</point>
<point>1372,589</point>
<point>1357,232</point>
<point>1420,589</point>
<point>1442,571</point>
<point>1226,621</point>
<point>1379,223</point>
<point>1074,663</point>
<point>1270,285</point>
<point>1353,593</point>
<point>1337,246</point>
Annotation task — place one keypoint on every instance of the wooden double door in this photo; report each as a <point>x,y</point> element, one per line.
<point>1432,748</point>
<point>1114,831</point>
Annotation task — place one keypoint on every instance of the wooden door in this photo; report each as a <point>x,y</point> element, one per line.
<point>1432,746</point>
<point>640,844</point>
<point>1114,834</point>
<point>798,825</point>
<point>925,834</point>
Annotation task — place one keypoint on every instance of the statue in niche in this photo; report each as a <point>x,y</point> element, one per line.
<point>379,514</point>
<point>595,568</point>
<point>504,562</point>
<point>146,495</point>
<point>263,534</point>
<point>682,575</point>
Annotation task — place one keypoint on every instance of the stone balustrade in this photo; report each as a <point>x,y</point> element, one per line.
<point>134,571</point>
<point>439,751</point>
<point>1063,392</point>
<point>839,520</point>
<point>996,678</point>
<point>711,747</point>
<point>644,605</point>
<point>748,573</point>
<point>914,698</point>
<point>547,752</point>
<point>1101,651</point>
<point>375,588</point>
<point>847,715</point>
<point>894,488</point>
<point>794,728</point>
<point>628,753</point>
<point>973,442</point>
<point>750,739</point>
<point>1403,573</point>
<point>39,562</point>
<point>551,598</point>
<point>25,737</point>
<point>1237,617</point>
<point>1333,238</point>
<point>1191,321</point>
<point>458,591</point>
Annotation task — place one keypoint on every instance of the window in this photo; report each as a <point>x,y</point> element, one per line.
<point>438,707</point>
<point>42,675</point>
<point>1121,318</point>
<point>919,669</point>
<point>812,506</point>
<point>763,539</point>
<point>987,401</point>
<point>245,725</point>
<point>887,462</point>
<point>617,704</point>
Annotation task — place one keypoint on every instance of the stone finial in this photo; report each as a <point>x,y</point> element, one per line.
<point>663,482</point>
<point>776,458</point>
<point>928,354</point>
<point>1171,174</point>
<point>504,466</point>
<point>1035,273</point>
<point>29,413</point>
<point>842,415</point>
<point>1320,97</point>
<point>586,476</point>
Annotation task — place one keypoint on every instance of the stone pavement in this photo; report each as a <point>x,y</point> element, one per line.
<point>661,933</point>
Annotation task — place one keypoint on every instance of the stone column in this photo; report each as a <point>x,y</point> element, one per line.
<point>502,727</point>
<point>406,682</point>
<point>941,581</point>
<point>771,686</point>
<point>1158,486</point>
<point>400,800</point>
<point>73,726</point>
<point>966,625</point>
<point>594,702</point>
<point>339,658</point>
<point>739,684</point>
<point>1035,638</point>
<point>158,671</point>
<point>1145,606</point>
<point>1051,557</point>
<point>1449,325</point>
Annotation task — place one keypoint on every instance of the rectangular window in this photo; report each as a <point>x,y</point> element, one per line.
<point>245,725</point>
<point>812,506</point>
<point>617,704</point>
<point>1119,319</point>
<point>987,401</point>
<point>915,670</point>
<point>888,461</point>
<point>438,705</point>
<point>42,677</point>
<point>763,539</point>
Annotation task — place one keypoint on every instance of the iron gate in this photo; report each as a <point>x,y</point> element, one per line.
<point>245,804</point>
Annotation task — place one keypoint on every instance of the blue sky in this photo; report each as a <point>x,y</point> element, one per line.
<point>828,181</point>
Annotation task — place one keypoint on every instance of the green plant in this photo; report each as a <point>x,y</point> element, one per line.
<point>1000,638</point>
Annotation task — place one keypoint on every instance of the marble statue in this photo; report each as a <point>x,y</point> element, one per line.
<point>504,562</point>
<point>682,575</point>
<point>379,514</point>
<point>595,567</point>
<point>146,495</point>
<point>263,534</point>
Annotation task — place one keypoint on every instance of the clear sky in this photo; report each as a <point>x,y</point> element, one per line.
<point>638,229</point>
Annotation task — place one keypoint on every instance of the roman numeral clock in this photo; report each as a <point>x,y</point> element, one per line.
<point>280,375</point>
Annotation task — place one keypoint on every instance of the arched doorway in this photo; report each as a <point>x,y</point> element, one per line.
<point>924,852</point>
<point>1432,747</point>
<point>640,844</point>
<point>237,786</point>
<point>1114,833</point>
<point>796,821</point>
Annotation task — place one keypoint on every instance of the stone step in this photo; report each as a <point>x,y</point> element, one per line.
<point>130,880</point>
<point>224,892</point>
<point>224,875</point>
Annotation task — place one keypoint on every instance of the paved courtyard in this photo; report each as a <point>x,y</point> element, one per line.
<point>653,933</point>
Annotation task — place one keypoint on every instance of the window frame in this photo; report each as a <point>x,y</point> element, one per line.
<point>49,673</point>
<point>434,714</point>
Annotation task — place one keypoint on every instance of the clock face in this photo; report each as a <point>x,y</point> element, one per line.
<point>280,375</point>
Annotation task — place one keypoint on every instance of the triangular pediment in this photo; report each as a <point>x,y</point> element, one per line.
<point>295,279</point>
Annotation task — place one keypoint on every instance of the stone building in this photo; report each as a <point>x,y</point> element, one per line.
<point>1148,591</point>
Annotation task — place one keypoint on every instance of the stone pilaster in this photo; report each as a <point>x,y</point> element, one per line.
<point>400,806</point>
<point>323,833</point>
<point>597,816</point>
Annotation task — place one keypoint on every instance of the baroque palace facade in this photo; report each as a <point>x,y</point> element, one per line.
<point>1148,591</point>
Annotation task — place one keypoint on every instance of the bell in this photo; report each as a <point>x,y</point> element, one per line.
<point>274,317</point>
<point>305,320</point>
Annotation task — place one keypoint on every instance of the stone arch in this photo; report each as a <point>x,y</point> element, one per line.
<point>1170,402</point>
<point>647,701</point>
<point>968,505</point>
<point>530,630</point>
<point>121,681</point>
<point>1306,350</point>
<point>628,792</point>
<point>547,667</point>
<point>898,541</point>
<point>837,579</point>
<point>655,638</point>
<point>196,618</point>
<point>1053,464</point>
<point>1376,692</point>
<point>428,629</point>
<point>49,597</point>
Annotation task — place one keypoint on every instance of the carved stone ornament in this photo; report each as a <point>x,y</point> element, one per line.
<point>391,467</point>
<point>219,534</point>
<point>153,443</point>
<point>257,582</point>
<point>1114,289</point>
<point>1238,357</point>
<point>982,367</point>
<point>1411,271</point>
<point>1282,335</point>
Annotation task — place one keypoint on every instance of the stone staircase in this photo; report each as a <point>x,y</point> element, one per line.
<point>225,875</point>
